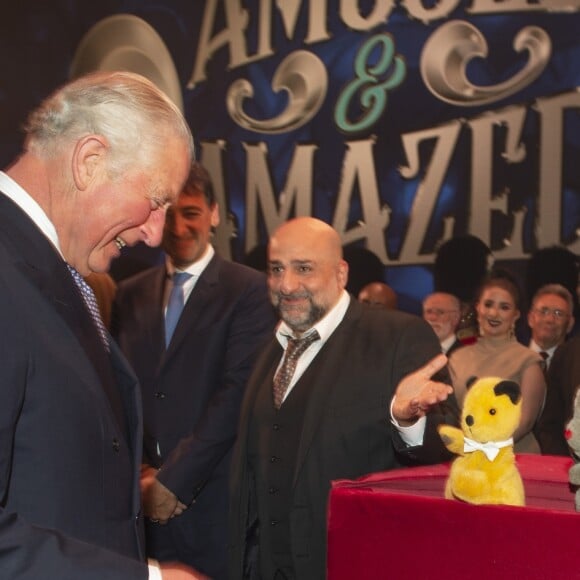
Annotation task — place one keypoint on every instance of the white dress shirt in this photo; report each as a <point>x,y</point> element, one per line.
<point>412,435</point>
<point>196,269</point>
<point>30,207</point>
<point>325,327</point>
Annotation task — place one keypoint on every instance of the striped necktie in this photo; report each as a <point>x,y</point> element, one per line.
<point>283,378</point>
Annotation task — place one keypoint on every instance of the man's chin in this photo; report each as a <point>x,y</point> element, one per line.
<point>297,322</point>
<point>102,263</point>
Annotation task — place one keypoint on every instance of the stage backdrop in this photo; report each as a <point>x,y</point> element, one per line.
<point>401,123</point>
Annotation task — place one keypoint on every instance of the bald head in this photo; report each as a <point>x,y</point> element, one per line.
<point>307,232</point>
<point>306,271</point>
<point>378,295</point>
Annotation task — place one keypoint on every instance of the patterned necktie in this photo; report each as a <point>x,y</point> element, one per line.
<point>294,348</point>
<point>544,363</point>
<point>91,304</point>
<point>175,304</point>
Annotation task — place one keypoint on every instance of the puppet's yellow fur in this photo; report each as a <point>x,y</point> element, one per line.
<point>491,413</point>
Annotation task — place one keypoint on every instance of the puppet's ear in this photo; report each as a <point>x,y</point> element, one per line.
<point>469,382</point>
<point>509,388</point>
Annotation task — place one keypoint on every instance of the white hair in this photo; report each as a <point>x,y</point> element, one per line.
<point>135,117</point>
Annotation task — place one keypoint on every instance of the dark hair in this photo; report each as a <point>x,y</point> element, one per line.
<point>460,266</point>
<point>504,279</point>
<point>552,265</point>
<point>199,181</point>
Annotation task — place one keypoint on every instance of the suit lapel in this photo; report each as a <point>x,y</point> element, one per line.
<point>152,293</point>
<point>41,264</point>
<point>322,375</point>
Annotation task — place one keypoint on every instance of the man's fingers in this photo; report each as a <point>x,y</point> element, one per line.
<point>434,365</point>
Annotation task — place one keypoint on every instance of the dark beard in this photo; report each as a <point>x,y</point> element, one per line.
<point>315,313</point>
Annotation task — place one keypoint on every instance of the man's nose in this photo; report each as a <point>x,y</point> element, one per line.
<point>289,281</point>
<point>152,229</point>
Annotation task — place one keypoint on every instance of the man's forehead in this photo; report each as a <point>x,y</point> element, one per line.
<point>438,299</point>
<point>191,199</point>
<point>550,298</point>
<point>277,259</point>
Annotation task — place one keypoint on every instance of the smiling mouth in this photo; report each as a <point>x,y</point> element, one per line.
<point>120,243</point>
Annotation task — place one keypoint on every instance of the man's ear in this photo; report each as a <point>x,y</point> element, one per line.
<point>343,273</point>
<point>215,215</point>
<point>88,158</point>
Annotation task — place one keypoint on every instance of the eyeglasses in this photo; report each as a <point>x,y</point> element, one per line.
<point>436,311</point>
<point>556,312</point>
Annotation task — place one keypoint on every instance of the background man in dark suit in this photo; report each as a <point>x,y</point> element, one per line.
<point>333,419</point>
<point>551,318</point>
<point>192,389</point>
<point>70,418</point>
<point>563,382</point>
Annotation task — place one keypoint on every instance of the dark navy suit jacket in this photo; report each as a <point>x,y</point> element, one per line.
<point>192,394</point>
<point>69,471</point>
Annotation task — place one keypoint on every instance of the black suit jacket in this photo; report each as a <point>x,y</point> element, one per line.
<point>563,382</point>
<point>457,344</point>
<point>346,432</point>
<point>192,392</point>
<point>69,473</point>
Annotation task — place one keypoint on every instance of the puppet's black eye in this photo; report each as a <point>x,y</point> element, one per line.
<point>492,411</point>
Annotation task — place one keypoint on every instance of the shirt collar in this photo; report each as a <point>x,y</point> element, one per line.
<point>448,342</point>
<point>325,326</point>
<point>536,348</point>
<point>195,269</point>
<point>30,207</point>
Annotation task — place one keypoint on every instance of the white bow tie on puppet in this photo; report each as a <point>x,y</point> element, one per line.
<point>491,448</point>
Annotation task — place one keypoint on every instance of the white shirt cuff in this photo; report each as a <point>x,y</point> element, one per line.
<point>412,435</point>
<point>154,570</point>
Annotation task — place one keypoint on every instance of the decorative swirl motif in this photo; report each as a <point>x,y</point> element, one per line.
<point>303,76</point>
<point>446,54</point>
<point>373,93</point>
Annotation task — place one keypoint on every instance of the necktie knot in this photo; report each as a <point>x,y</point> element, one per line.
<point>283,378</point>
<point>91,303</point>
<point>180,278</point>
<point>175,303</point>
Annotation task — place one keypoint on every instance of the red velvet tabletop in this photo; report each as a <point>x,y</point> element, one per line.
<point>398,525</point>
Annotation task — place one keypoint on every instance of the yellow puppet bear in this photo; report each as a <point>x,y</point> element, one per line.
<point>485,471</point>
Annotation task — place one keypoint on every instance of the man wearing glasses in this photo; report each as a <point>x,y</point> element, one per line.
<point>550,319</point>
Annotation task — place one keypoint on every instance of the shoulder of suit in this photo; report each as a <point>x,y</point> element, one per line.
<point>240,271</point>
<point>140,278</point>
<point>381,318</point>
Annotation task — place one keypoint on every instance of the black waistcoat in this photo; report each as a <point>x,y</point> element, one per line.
<point>273,443</point>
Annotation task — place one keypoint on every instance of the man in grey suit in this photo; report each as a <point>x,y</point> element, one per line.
<point>326,414</point>
<point>70,418</point>
<point>193,374</point>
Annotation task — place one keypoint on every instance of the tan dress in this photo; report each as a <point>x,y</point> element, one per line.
<point>485,358</point>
